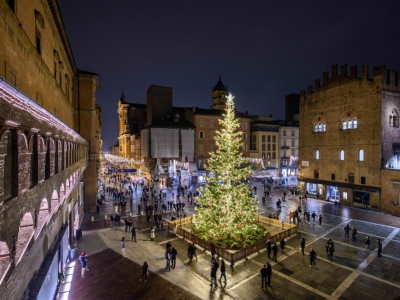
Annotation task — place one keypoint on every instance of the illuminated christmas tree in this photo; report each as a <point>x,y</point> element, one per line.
<point>227,214</point>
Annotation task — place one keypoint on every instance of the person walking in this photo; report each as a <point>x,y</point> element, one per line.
<point>275,252</point>
<point>347,232</point>
<point>264,276</point>
<point>282,244</point>
<point>313,216</point>
<point>354,234</point>
<point>269,248</point>
<point>214,269</point>
<point>368,242</point>
<point>223,272</point>
<point>133,232</point>
<point>269,274</point>
<point>153,234</point>
<point>303,245</point>
<point>320,220</point>
<point>84,263</point>
<point>168,258</point>
<point>174,253</point>
<point>379,248</point>
<point>123,250</point>
<point>313,257</point>
<point>145,271</point>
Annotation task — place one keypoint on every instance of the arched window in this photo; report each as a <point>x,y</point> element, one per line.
<point>341,155</point>
<point>394,119</point>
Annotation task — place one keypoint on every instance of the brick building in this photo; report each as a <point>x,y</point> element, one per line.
<point>134,117</point>
<point>349,137</point>
<point>49,135</point>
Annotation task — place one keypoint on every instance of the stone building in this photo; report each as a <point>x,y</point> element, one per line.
<point>49,136</point>
<point>349,137</point>
<point>134,117</point>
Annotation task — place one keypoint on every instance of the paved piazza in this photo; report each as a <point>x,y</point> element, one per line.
<point>355,272</point>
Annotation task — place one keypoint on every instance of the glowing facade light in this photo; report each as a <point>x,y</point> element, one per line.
<point>21,102</point>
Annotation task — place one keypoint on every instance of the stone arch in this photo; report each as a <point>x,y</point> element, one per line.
<point>5,258</point>
<point>23,162</point>
<point>25,233</point>
<point>49,160</point>
<point>34,160</point>
<point>9,159</point>
<point>67,185</point>
<point>42,215</point>
<point>41,158</point>
<point>54,201</point>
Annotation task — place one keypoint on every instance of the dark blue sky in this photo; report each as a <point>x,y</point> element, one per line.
<point>263,49</point>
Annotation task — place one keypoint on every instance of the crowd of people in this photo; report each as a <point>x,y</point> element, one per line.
<point>132,197</point>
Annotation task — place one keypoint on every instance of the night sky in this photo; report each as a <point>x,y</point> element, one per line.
<point>262,49</point>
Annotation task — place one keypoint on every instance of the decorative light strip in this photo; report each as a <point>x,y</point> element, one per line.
<point>21,102</point>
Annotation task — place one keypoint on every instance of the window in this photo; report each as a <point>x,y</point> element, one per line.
<point>344,195</point>
<point>350,178</point>
<point>269,139</point>
<point>293,133</point>
<point>341,155</point>
<point>320,127</point>
<point>316,154</point>
<point>293,143</point>
<point>361,155</point>
<point>333,177</point>
<point>363,179</point>
<point>201,134</point>
<point>284,133</point>
<point>274,139</point>
<point>316,174</point>
<point>394,119</point>
<point>350,124</point>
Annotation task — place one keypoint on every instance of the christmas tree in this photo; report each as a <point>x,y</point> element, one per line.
<point>227,213</point>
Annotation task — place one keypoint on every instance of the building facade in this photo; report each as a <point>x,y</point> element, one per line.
<point>349,133</point>
<point>46,136</point>
<point>136,121</point>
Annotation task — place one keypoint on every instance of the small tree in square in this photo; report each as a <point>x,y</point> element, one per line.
<point>227,213</point>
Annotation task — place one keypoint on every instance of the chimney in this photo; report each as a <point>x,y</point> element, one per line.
<point>325,78</point>
<point>317,84</point>
<point>343,70</point>
<point>353,71</point>
<point>334,71</point>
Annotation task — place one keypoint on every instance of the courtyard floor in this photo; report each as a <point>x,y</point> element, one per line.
<point>355,272</point>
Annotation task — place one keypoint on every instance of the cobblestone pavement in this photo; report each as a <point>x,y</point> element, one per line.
<point>355,272</point>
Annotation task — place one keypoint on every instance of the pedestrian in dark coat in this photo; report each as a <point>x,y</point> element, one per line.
<point>264,276</point>
<point>269,248</point>
<point>275,252</point>
<point>133,231</point>
<point>303,245</point>
<point>313,257</point>
<point>223,271</point>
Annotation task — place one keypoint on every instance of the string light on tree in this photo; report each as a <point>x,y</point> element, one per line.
<point>227,214</point>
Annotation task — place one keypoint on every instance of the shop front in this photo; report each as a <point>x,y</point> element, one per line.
<point>332,193</point>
